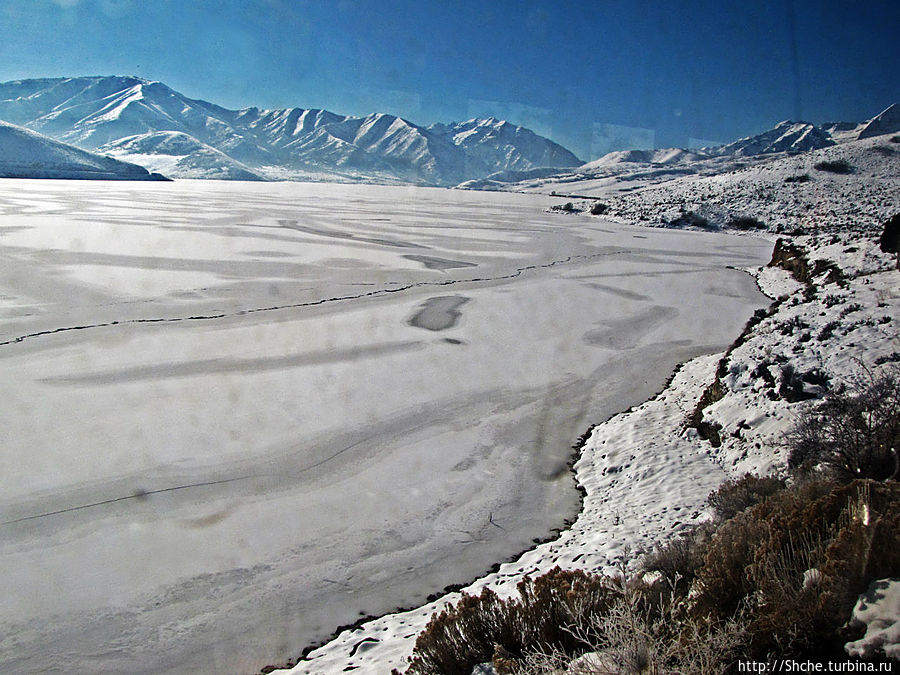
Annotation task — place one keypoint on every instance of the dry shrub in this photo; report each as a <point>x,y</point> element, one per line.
<point>841,166</point>
<point>745,223</point>
<point>680,558</point>
<point>647,631</point>
<point>622,627</point>
<point>854,433</point>
<point>797,561</point>
<point>469,633</point>
<point>736,495</point>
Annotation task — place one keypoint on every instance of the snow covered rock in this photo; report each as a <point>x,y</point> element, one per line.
<point>878,609</point>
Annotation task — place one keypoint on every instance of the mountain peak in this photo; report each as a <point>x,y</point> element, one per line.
<point>786,136</point>
<point>885,122</point>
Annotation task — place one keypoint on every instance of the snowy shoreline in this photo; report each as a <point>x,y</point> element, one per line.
<point>598,541</point>
<point>357,646</point>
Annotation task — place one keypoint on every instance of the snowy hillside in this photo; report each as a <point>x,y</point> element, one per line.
<point>178,154</point>
<point>664,156</point>
<point>626,170</point>
<point>786,193</point>
<point>124,115</point>
<point>26,154</point>
<point>887,122</point>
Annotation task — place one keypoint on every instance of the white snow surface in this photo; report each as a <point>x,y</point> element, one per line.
<point>879,611</point>
<point>645,480</point>
<point>242,414</point>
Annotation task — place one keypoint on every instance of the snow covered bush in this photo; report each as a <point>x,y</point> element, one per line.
<point>478,628</point>
<point>796,562</point>
<point>854,433</point>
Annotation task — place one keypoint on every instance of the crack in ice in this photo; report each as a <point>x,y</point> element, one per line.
<point>312,303</point>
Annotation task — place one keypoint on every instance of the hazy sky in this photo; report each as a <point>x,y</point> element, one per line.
<point>589,74</point>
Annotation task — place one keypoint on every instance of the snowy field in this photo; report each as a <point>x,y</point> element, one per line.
<point>239,415</point>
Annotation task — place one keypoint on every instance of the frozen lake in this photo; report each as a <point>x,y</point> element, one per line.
<point>238,415</point>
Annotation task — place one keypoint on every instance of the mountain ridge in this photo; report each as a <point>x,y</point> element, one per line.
<point>632,167</point>
<point>101,112</point>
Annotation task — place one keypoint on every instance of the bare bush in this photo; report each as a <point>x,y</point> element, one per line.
<point>855,433</point>
<point>889,242</point>
<point>647,631</point>
<point>679,559</point>
<point>796,562</point>
<point>745,223</point>
<point>841,166</point>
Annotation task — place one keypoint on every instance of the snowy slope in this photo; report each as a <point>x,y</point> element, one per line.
<point>886,122</point>
<point>630,169</point>
<point>26,154</point>
<point>786,193</point>
<point>177,153</point>
<point>663,156</point>
<point>95,112</point>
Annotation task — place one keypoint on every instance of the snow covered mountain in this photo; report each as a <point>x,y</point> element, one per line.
<point>125,116</point>
<point>26,154</point>
<point>519,148</point>
<point>886,122</point>
<point>629,169</point>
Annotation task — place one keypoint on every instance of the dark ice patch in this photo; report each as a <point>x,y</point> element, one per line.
<point>626,333</point>
<point>433,263</point>
<point>439,313</point>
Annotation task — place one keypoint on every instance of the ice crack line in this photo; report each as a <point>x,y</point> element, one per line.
<point>143,494</point>
<point>312,303</point>
<point>138,495</point>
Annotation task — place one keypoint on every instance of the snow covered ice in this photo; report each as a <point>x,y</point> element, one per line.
<point>242,414</point>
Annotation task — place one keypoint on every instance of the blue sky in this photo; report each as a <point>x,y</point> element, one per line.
<point>586,73</point>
